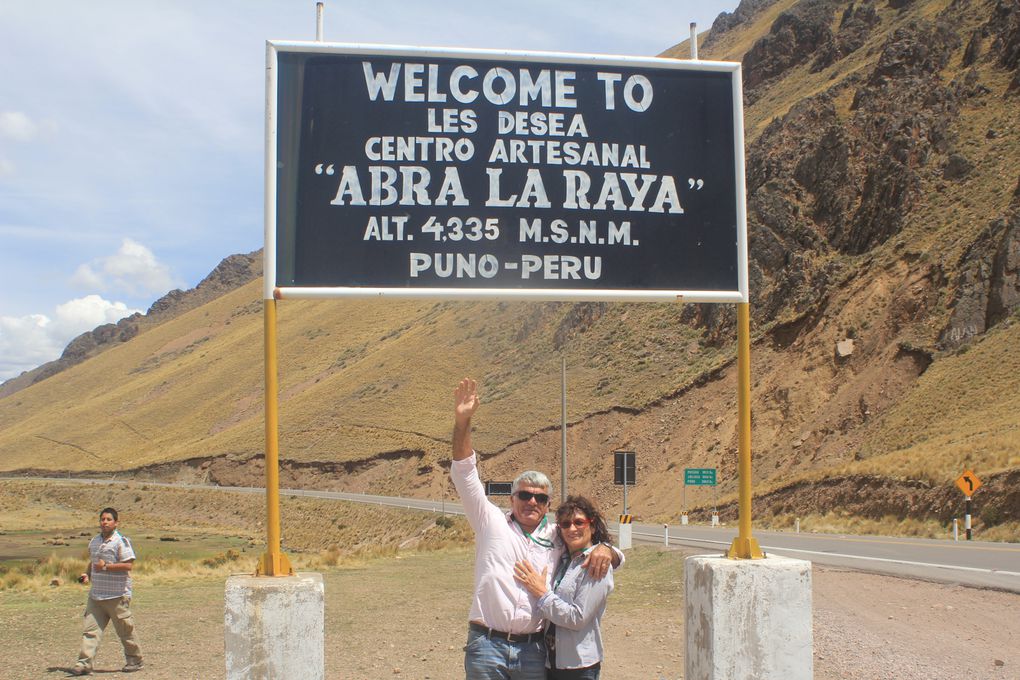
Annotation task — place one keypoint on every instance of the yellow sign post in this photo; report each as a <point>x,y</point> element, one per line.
<point>744,545</point>
<point>273,562</point>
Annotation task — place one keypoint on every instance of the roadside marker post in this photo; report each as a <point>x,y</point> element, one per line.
<point>968,483</point>
<point>626,532</point>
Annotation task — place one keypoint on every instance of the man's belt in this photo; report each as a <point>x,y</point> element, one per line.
<point>509,637</point>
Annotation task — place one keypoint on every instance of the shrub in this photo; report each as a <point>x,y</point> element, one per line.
<point>991,515</point>
<point>219,560</point>
<point>331,556</point>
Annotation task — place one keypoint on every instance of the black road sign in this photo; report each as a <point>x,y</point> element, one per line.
<point>498,488</point>
<point>618,470</point>
<point>420,171</point>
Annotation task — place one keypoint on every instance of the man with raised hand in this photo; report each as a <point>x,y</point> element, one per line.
<point>109,573</point>
<point>505,639</point>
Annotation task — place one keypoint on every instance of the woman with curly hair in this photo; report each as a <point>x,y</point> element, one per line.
<point>575,602</point>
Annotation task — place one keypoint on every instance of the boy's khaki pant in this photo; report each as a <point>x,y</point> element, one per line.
<point>98,613</point>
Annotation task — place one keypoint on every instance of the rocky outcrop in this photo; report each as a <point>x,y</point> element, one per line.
<point>794,38</point>
<point>854,26</point>
<point>817,182</point>
<point>904,115</point>
<point>745,11</point>
<point>1005,26</point>
<point>988,288</point>
<point>231,273</point>
<point>578,319</point>
<point>85,344</point>
<point>885,498</point>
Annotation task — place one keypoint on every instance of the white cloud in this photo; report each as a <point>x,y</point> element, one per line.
<point>133,269</point>
<point>17,126</point>
<point>85,277</point>
<point>82,314</point>
<point>28,341</point>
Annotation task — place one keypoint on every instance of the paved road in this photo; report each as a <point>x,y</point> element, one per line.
<point>972,563</point>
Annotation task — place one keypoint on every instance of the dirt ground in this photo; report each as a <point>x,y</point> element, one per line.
<point>405,618</point>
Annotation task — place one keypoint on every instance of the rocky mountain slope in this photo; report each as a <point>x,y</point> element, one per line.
<point>883,178</point>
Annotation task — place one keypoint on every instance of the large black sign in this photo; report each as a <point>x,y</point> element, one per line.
<point>401,171</point>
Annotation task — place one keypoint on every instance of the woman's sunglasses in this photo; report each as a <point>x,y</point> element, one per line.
<point>577,523</point>
<point>540,498</point>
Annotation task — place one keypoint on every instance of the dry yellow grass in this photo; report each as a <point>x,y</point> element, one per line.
<point>356,378</point>
<point>962,413</point>
<point>317,533</point>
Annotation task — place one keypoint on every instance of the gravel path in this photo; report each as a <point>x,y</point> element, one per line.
<point>405,618</point>
<point>879,627</point>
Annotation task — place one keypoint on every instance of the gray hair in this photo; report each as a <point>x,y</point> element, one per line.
<point>532,478</point>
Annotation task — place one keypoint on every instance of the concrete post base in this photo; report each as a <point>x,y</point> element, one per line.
<point>747,619</point>
<point>625,536</point>
<point>274,627</point>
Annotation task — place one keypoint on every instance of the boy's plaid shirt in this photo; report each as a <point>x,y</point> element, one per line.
<point>107,585</point>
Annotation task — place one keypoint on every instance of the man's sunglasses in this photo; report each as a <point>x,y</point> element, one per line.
<point>577,523</point>
<point>540,498</point>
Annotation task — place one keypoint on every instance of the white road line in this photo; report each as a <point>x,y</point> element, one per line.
<point>904,562</point>
<point>852,557</point>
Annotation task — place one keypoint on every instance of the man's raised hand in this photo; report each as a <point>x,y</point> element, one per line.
<point>465,401</point>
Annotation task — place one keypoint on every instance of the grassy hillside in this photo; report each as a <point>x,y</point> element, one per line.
<point>357,378</point>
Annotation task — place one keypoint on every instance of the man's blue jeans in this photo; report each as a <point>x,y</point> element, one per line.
<point>493,658</point>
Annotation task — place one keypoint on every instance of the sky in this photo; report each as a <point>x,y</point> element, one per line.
<point>132,133</point>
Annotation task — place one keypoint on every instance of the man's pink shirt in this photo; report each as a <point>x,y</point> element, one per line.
<point>500,601</point>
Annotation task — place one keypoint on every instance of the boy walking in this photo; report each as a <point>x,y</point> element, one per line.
<point>109,573</point>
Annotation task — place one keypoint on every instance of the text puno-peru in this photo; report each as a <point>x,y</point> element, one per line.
<point>546,151</point>
<point>487,266</point>
<point>415,186</point>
